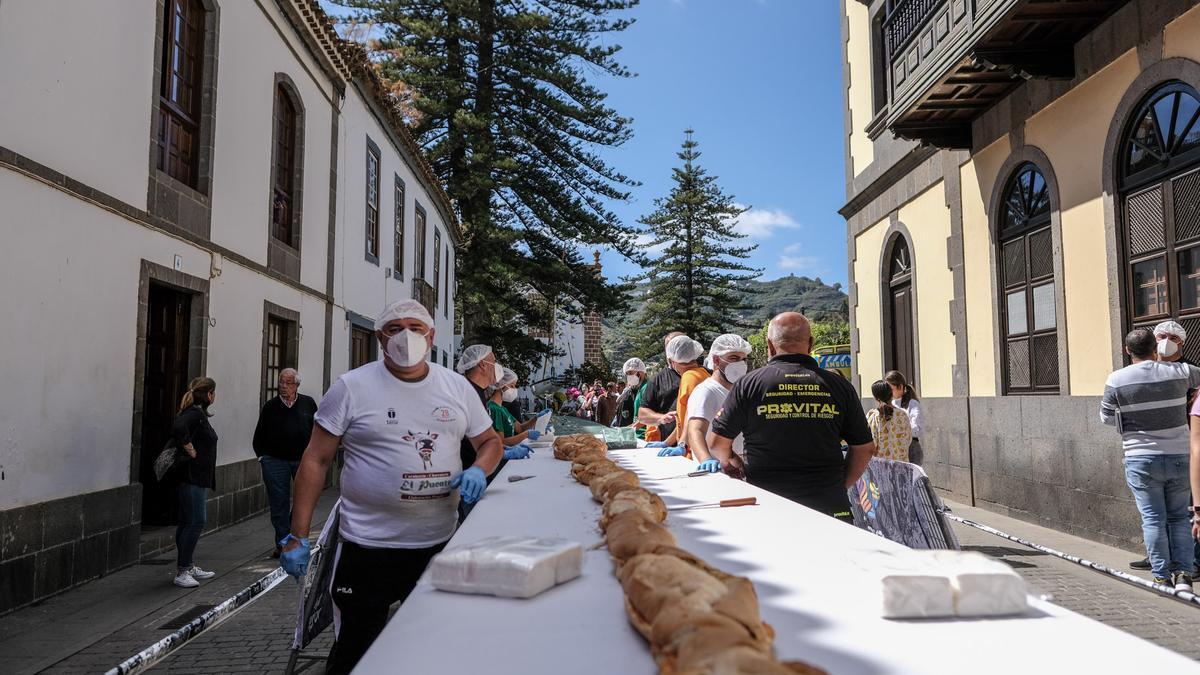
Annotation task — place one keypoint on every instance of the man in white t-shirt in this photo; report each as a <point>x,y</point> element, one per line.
<point>728,353</point>
<point>400,420</point>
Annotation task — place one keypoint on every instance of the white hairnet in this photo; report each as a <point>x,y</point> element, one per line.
<point>708,362</point>
<point>1171,328</point>
<point>471,356</point>
<point>683,349</point>
<point>634,365</point>
<point>508,378</point>
<point>404,309</point>
<point>730,343</point>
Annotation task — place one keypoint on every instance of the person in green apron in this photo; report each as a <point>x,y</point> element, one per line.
<point>512,433</point>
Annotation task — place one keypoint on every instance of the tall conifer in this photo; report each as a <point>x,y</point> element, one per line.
<point>503,104</point>
<point>695,273</point>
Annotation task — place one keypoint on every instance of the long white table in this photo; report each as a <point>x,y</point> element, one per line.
<point>796,558</point>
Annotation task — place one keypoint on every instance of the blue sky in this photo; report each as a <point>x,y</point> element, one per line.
<point>760,82</point>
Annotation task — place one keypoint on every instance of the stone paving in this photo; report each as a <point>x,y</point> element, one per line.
<point>1162,620</point>
<point>92,628</point>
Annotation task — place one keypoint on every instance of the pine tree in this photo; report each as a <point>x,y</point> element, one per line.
<point>696,282</point>
<point>511,123</point>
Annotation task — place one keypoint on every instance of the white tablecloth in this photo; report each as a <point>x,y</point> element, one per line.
<point>796,557</point>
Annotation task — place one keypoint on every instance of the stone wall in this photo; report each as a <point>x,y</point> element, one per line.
<point>48,547</point>
<point>1044,459</point>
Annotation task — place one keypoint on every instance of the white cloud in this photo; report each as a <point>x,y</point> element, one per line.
<point>791,260</point>
<point>762,223</point>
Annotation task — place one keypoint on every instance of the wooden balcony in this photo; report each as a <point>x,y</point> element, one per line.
<point>951,60</point>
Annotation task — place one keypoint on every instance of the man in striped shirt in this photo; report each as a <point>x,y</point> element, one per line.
<point>1146,401</point>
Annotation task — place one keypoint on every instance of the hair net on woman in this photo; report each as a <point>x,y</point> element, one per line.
<point>508,378</point>
<point>683,349</point>
<point>730,343</point>
<point>634,365</point>
<point>471,356</point>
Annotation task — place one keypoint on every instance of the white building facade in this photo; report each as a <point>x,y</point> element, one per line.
<point>187,187</point>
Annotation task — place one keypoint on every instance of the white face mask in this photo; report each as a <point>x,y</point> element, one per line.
<point>498,370</point>
<point>631,380</point>
<point>406,348</point>
<point>1167,348</point>
<point>509,395</point>
<point>735,370</point>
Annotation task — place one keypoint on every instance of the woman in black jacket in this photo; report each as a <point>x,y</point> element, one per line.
<point>192,432</point>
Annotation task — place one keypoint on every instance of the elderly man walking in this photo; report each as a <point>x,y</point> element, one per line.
<point>793,416</point>
<point>1145,402</point>
<point>284,427</point>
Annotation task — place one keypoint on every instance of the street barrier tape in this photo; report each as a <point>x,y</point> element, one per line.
<point>213,617</point>
<point>1183,596</point>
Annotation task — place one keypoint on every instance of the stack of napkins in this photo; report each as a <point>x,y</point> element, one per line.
<point>508,567</point>
<point>913,584</point>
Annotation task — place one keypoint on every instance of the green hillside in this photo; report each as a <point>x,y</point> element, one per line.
<point>766,298</point>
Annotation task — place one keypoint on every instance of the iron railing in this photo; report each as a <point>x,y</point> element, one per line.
<point>905,20</point>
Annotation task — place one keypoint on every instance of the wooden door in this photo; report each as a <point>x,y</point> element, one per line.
<point>165,381</point>
<point>901,358</point>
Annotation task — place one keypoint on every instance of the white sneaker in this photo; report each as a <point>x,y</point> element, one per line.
<point>198,573</point>
<point>186,580</point>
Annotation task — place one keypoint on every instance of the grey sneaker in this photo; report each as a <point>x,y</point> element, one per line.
<point>1182,581</point>
<point>185,580</point>
<point>198,573</point>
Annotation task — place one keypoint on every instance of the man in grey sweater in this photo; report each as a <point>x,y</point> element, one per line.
<point>1146,401</point>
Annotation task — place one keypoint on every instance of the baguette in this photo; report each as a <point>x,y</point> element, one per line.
<point>586,473</point>
<point>640,499</point>
<point>632,533</point>
<point>610,484</point>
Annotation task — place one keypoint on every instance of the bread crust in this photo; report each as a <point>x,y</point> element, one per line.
<point>632,533</point>
<point>604,487</point>
<point>639,499</point>
<point>567,447</point>
<point>586,473</point>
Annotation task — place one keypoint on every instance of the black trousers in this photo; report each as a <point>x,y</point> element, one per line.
<point>832,500</point>
<point>365,584</point>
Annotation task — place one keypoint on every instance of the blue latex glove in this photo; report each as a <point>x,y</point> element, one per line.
<point>519,451</point>
<point>470,483</point>
<point>533,434</point>
<point>710,465</point>
<point>295,561</point>
<point>545,412</point>
<point>656,444</point>
<point>674,451</point>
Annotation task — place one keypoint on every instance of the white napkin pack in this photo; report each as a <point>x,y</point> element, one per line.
<point>912,584</point>
<point>508,567</point>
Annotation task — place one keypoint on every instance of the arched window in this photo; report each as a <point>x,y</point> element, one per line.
<point>1159,182</point>
<point>1027,303</point>
<point>284,170</point>
<point>898,321</point>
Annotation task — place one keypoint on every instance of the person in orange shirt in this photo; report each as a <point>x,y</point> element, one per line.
<point>683,353</point>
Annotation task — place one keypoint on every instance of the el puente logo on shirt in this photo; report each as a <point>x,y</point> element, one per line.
<point>423,443</point>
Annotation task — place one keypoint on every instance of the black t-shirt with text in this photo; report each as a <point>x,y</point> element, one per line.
<point>793,417</point>
<point>661,395</point>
